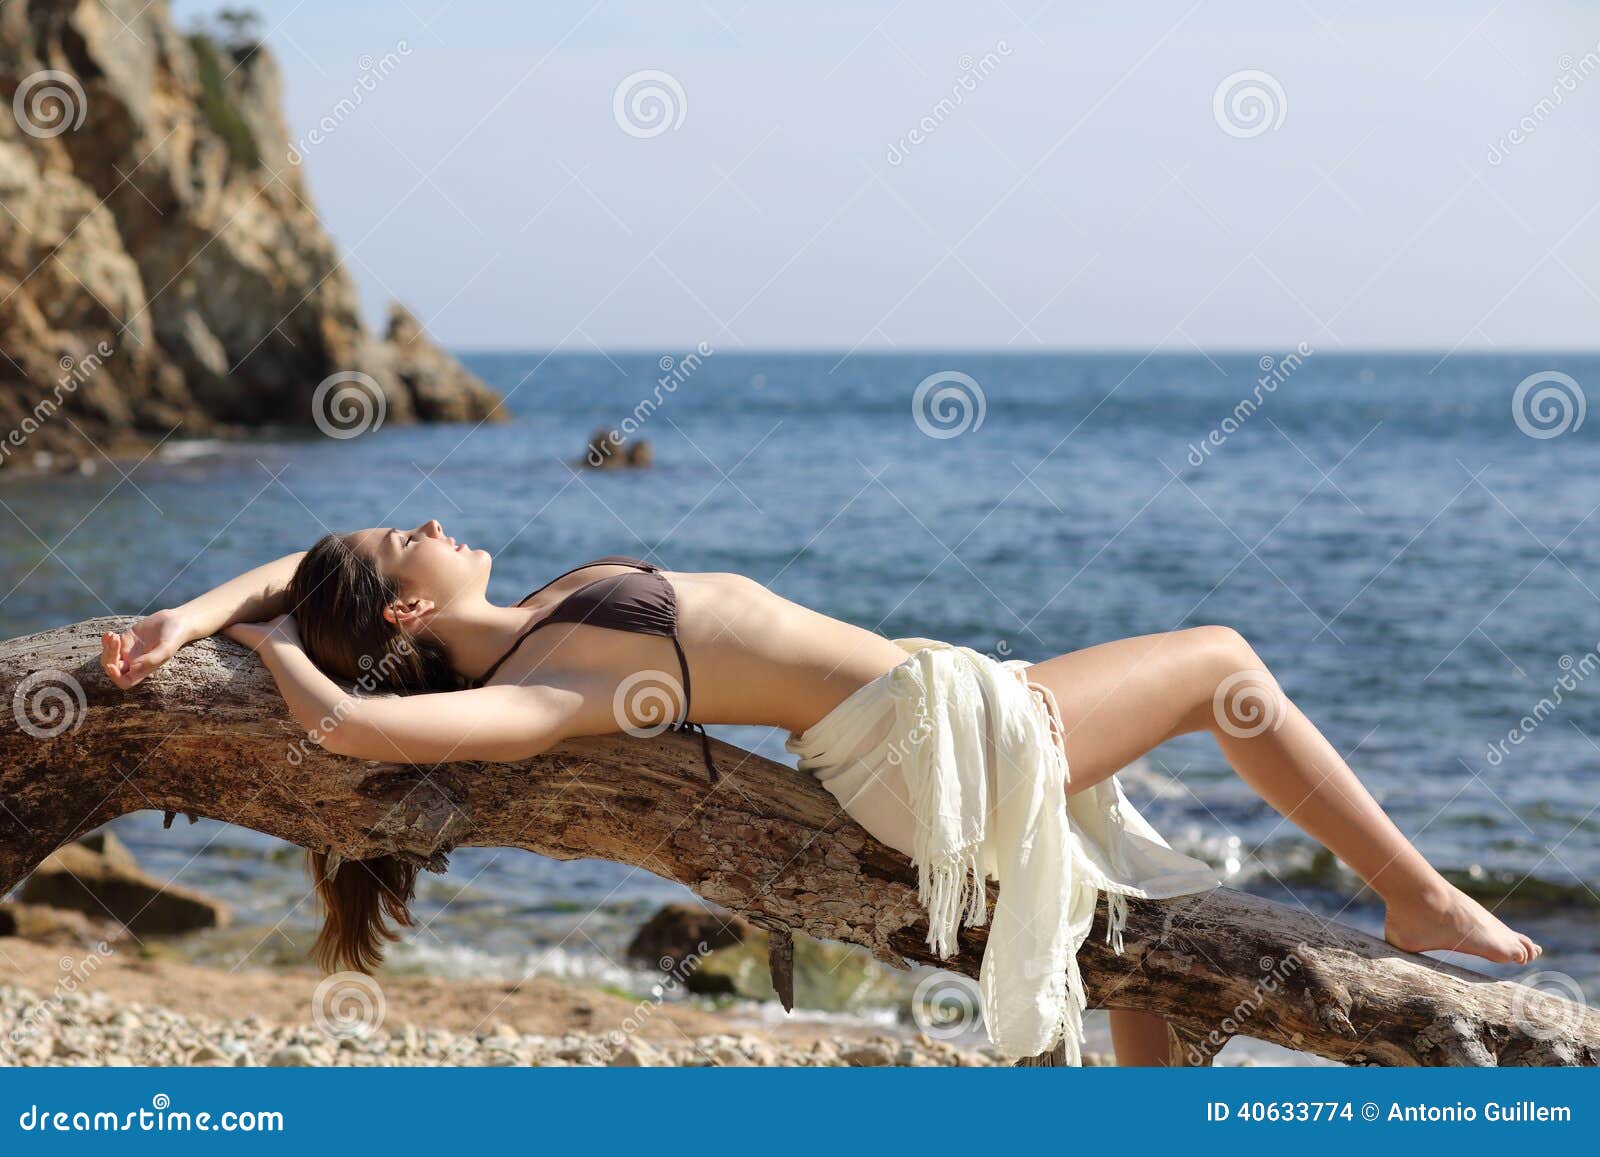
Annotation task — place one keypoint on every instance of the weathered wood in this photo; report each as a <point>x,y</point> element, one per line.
<point>208,735</point>
<point>780,962</point>
<point>1191,1045</point>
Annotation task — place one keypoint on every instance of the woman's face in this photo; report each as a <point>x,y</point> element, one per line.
<point>426,563</point>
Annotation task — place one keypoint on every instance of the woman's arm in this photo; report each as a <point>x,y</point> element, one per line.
<point>486,723</point>
<point>257,594</point>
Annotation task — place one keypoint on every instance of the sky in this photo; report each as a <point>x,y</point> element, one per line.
<point>1010,175</point>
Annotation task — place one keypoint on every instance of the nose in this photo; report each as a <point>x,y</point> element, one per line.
<point>432,528</point>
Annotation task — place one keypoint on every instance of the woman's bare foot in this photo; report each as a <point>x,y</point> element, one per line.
<point>1455,922</point>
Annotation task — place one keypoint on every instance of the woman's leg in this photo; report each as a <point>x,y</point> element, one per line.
<point>1140,1039</point>
<point>1119,700</point>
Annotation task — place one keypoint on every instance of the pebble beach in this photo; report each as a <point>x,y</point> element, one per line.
<point>129,1011</point>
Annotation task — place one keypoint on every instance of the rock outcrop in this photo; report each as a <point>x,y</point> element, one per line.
<point>680,932</point>
<point>99,877</point>
<point>161,265</point>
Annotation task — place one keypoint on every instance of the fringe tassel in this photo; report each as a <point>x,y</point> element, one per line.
<point>1072,1037</point>
<point>1116,919</point>
<point>953,894</point>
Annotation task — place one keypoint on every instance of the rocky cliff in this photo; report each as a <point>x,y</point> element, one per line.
<point>161,266</point>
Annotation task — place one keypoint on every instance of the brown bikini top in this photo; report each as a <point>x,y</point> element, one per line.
<point>640,603</point>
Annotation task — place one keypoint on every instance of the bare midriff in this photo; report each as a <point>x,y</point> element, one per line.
<point>754,657</point>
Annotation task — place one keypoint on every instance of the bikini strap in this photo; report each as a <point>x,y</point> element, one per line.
<point>608,560</point>
<point>683,725</point>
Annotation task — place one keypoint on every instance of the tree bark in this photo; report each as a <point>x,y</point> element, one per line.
<point>208,735</point>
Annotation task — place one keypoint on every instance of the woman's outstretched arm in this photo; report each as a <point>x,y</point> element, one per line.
<point>256,595</point>
<point>486,723</point>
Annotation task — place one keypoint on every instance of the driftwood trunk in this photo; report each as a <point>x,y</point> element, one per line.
<point>208,735</point>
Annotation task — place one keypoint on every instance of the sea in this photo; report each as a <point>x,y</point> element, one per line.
<point>1408,539</point>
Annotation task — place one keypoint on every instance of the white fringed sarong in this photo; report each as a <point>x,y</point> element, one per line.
<point>957,761</point>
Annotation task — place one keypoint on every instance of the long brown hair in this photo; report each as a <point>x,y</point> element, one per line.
<point>338,597</point>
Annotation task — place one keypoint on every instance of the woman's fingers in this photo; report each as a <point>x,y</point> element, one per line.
<point>126,660</point>
<point>114,652</point>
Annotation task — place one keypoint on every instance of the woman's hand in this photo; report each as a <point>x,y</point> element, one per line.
<point>127,658</point>
<point>257,635</point>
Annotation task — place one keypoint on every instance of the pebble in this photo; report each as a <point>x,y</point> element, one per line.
<point>89,1028</point>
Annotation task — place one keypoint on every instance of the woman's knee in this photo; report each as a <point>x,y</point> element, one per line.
<point>1225,674</point>
<point>1241,697</point>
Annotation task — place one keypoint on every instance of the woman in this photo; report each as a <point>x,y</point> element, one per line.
<point>406,611</point>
